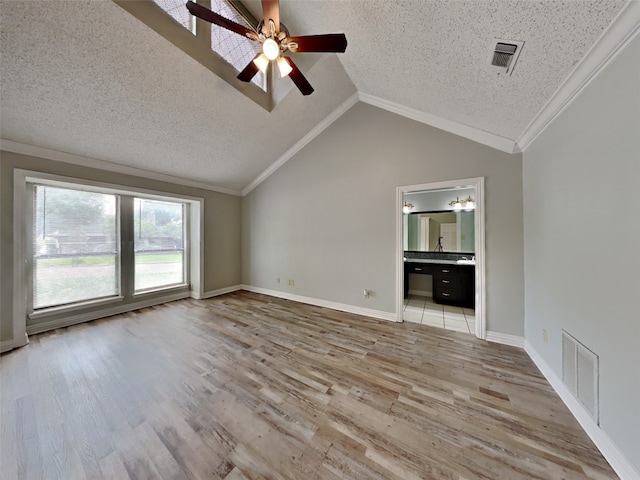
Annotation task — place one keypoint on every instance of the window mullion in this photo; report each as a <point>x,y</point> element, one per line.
<point>30,265</point>
<point>127,264</point>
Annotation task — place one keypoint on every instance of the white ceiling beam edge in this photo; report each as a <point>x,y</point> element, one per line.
<point>49,154</point>
<point>471,133</point>
<point>300,144</point>
<point>485,138</point>
<point>619,34</point>
<point>622,30</point>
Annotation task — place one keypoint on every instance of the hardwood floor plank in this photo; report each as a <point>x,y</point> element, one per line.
<point>245,386</point>
<point>112,467</point>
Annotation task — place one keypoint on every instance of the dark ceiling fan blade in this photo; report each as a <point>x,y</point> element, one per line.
<point>331,42</point>
<point>249,71</point>
<point>271,10</point>
<point>299,79</point>
<point>206,14</point>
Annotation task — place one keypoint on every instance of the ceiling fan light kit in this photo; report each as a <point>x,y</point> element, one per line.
<point>275,41</point>
<point>284,67</point>
<point>271,49</point>
<point>262,62</point>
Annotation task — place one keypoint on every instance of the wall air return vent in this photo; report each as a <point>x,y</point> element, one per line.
<point>505,54</point>
<point>580,373</point>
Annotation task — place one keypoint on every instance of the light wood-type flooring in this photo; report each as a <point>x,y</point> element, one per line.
<point>245,386</point>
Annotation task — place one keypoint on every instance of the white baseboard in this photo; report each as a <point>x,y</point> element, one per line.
<point>6,345</point>
<point>621,465</point>
<point>505,339</point>
<point>219,291</point>
<point>107,312</point>
<point>367,312</point>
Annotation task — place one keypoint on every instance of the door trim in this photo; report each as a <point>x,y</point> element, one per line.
<point>479,225</point>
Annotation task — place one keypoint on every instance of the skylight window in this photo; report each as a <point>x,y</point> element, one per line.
<point>177,10</point>
<point>236,50</point>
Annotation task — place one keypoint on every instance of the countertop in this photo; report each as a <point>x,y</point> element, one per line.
<point>440,262</point>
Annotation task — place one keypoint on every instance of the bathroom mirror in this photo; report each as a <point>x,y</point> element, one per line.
<point>439,231</point>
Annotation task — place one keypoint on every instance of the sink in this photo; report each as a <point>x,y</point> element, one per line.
<point>466,262</point>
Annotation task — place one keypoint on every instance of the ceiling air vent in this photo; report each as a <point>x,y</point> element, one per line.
<point>505,54</point>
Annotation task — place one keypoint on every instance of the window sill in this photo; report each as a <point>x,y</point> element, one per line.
<point>169,288</point>
<point>49,311</point>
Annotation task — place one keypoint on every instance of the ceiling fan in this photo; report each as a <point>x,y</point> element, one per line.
<point>275,41</point>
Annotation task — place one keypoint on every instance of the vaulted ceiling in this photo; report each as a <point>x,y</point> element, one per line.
<point>88,78</point>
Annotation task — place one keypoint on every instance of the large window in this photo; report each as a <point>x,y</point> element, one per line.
<point>91,244</point>
<point>75,246</point>
<point>159,245</point>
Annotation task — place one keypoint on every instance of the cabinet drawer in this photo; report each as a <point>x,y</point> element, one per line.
<point>447,294</point>
<point>447,271</point>
<point>418,268</point>
<point>448,281</point>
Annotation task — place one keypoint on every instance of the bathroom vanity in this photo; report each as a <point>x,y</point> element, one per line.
<point>453,277</point>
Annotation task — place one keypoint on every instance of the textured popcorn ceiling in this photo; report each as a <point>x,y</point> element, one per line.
<point>87,78</point>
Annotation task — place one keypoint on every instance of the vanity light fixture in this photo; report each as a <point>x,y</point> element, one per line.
<point>467,204</point>
<point>456,204</point>
<point>407,207</point>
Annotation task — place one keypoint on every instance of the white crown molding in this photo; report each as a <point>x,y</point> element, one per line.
<point>367,312</point>
<point>505,339</point>
<point>49,154</point>
<point>617,460</point>
<point>480,136</point>
<point>622,30</point>
<point>300,144</point>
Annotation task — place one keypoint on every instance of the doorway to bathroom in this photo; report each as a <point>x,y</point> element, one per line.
<point>440,255</point>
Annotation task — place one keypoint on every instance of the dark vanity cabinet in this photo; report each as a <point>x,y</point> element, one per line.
<point>452,284</point>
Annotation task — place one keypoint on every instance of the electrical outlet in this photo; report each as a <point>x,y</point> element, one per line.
<point>278,280</point>
<point>545,336</point>
<point>366,293</point>
<point>291,282</point>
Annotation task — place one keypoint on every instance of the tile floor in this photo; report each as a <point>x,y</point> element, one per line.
<point>424,310</point>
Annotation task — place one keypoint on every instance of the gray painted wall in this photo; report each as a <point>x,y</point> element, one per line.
<point>579,179</point>
<point>221,229</point>
<point>327,219</point>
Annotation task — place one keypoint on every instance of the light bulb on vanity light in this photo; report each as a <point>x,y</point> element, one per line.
<point>469,204</point>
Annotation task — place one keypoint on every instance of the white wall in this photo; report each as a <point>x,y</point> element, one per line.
<point>582,240</point>
<point>326,218</point>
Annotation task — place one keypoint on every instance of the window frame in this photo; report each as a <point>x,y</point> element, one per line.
<point>29,254</point>
<point>127,300</point>
<point>185,248</point>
